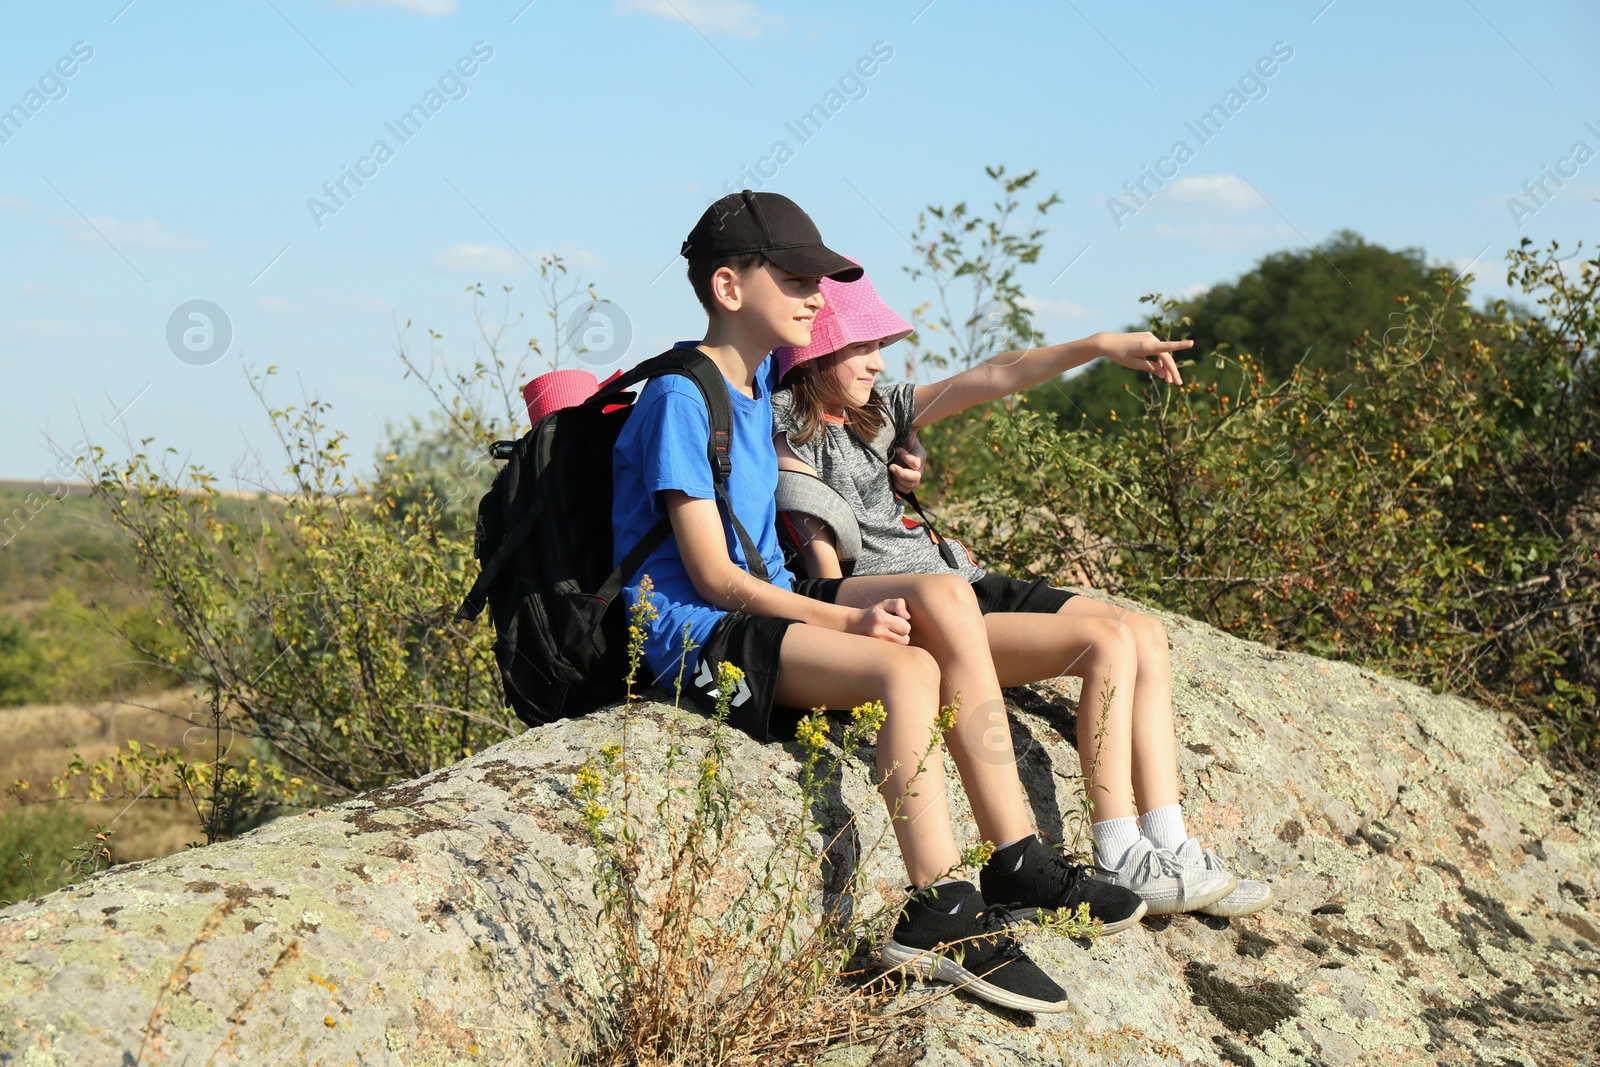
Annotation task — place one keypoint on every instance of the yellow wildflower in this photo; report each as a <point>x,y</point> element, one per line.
<point>977,855</point>
<point>870,715</point>
<point>813,731</point>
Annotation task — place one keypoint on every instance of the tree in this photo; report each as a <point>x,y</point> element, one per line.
<point>1296,305</point>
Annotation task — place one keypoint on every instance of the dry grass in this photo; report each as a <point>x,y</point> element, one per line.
<point>35,750</point>
<point>693,976</point>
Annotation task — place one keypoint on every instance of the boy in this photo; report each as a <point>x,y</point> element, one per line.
<point>755,263</point>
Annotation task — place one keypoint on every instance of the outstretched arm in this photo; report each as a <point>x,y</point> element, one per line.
<point>1010,372</point>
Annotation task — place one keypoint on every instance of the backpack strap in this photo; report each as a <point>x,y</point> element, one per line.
<point>695,365</point>
<point>808,494</point>
<point>945,551</point>
<point>477,597</point>
<point>698,368</point>
<point>473,603</point>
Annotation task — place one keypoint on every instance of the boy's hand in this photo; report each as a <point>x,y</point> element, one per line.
<point>1146,352</point>
<point>886,620</point>
<point>906,475</point>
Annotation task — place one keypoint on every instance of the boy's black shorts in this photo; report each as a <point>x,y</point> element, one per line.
<point>754,644</point>
<point>995,592</point>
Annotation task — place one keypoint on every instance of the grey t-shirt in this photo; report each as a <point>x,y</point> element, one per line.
<point>860,474</point>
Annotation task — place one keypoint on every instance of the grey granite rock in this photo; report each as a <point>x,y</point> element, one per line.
<point>1450,880</point>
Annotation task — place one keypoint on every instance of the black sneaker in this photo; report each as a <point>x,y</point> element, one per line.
<point>1045,880</point>
<point>969,947</point>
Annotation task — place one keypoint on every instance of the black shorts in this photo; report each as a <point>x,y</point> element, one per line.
<point>995,592</point>
<point>1000,593</point>
<point>754,644</point>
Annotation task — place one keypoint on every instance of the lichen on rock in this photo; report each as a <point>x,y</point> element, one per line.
<point>1437,901</point>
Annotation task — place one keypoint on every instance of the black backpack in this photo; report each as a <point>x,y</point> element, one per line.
<point>543,539</point>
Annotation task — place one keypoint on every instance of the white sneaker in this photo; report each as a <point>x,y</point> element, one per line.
<point>1248,896</point>
<point>1165,884</point>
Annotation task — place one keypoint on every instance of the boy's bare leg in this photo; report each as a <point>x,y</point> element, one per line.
<point>1030,648</point>
<point>1155,741</point>
<point>825,668</point>
<point>946,620</point>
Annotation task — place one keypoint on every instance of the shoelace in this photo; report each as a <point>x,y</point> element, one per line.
<point>1208,861</point>
<point>1160,862</point>
<point>995,929</point>
<point>1062,874</point>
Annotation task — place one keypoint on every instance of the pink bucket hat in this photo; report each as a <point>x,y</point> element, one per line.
<point>851,312</point>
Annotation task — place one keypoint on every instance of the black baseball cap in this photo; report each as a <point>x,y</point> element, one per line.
<point>773,225</point>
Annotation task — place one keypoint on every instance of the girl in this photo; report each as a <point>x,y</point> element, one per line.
<point>830,420</point>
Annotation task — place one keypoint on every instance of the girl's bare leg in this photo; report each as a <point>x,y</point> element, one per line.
<point>824,668</point>
<point>946,621</point>
<point>1030,648</point>
<point>1155,741</point>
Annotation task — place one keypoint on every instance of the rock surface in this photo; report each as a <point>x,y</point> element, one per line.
<point>1438,902</point>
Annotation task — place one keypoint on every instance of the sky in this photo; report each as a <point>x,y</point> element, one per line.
<point>265,159</point>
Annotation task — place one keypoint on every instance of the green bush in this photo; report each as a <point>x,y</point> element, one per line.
<point>42,849</point>
<point>21,664</point>
<point>319,614</point>
<point>322,618</point>
<point>1431,509</point>
<point>62,601</point>
<point>64,651</point>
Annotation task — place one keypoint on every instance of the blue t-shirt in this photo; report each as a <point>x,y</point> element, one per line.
<point>663,446</point>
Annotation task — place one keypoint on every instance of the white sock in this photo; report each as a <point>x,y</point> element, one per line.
<point>1164,826</point>
<point>1113,838</point>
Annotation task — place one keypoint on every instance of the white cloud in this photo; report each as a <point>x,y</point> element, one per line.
<point>366,303</point>
<point>481,259</point>
<point>143,234</point>
<point>1571,192</point>
<point>430,8</point>
<point>1057,309</point>
<point>15,203</point>
<point>48,292</point>
<point>1210,192</point>
<point>734,18</point>
<point>577,257</point>
<point>1223,234</point>
<point>1189,292</point>
<point>496,260</point>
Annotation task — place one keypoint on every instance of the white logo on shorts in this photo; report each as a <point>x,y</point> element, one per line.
<point>707,682</point>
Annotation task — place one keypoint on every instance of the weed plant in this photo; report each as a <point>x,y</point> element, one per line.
<point>710,957</point>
